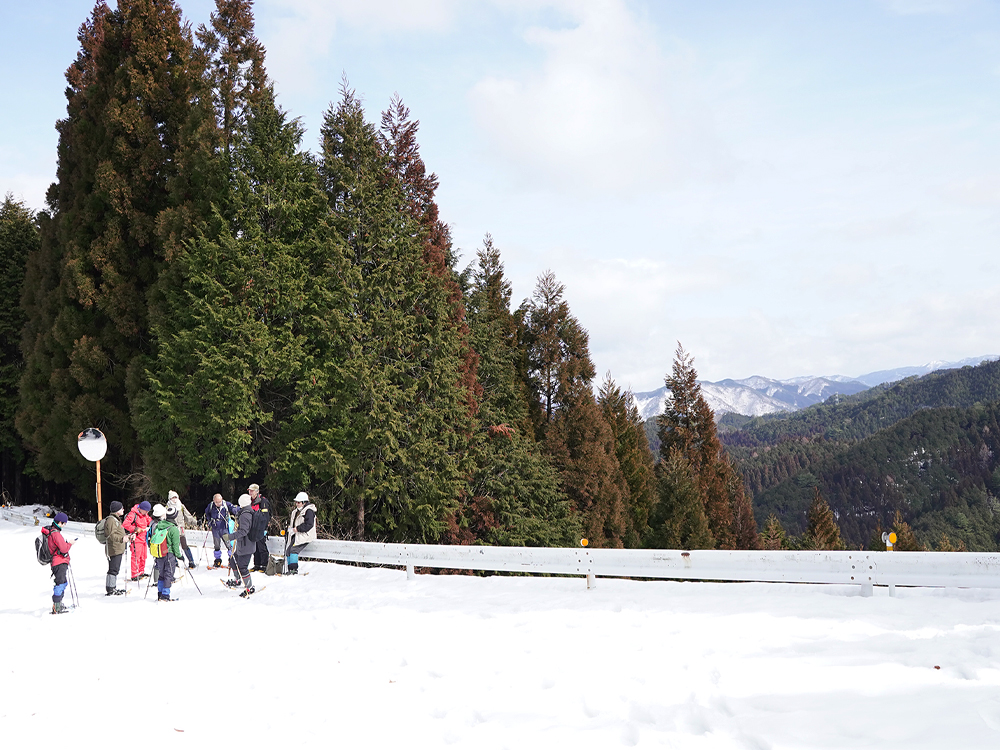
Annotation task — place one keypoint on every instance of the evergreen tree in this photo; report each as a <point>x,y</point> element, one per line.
<point>945,545</point>
<point>678,519</point>
<point>18,239</point>
<point>634,458</point>
<point>822,531</point>
<point>515,497</point>
<point>688,426</point>
<point>129,94</point>
<point>773,537</point>
<point>251,336</point>
<point>906,540</point>
<point>409,419</point>
<point>576,436</point>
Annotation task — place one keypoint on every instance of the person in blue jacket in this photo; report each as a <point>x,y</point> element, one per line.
<point>221,517</point>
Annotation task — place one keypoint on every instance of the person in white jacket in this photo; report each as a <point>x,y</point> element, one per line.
<point>184,518</point>
<point>301,530</point>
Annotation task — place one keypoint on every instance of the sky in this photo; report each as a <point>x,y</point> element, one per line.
<point>362,657</point>
<point>785,188</point>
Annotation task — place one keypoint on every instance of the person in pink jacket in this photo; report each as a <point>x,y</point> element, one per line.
<point>136,523</point>
<point>59,548</point>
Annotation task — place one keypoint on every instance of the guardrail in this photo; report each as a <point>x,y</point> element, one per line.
<point>865,569</point>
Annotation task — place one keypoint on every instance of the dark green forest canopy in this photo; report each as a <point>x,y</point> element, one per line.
<point>923,446</point>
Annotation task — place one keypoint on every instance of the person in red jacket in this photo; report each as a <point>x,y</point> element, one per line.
<point>59,548</point>
<point>136,523</point>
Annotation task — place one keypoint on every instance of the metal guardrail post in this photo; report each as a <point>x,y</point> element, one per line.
<point>863,572</point>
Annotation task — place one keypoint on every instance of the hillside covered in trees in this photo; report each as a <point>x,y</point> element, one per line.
<point>925,448</point>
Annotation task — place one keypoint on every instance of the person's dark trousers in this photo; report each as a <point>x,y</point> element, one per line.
<point>243,568</point>
<point>166,568</point>
<point>59,572</point>
<point>114,565</point>
<point>260,554</point>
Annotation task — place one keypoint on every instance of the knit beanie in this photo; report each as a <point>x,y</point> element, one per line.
<point>171,514</point>
<point>116,507</point>
<point>61,518</point>
<point>144,505</point>
<point>244,500</point>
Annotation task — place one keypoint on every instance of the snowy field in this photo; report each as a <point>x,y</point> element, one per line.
<point>362,658</point>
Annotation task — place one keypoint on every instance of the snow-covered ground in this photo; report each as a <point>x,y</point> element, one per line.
<point>362,658</point>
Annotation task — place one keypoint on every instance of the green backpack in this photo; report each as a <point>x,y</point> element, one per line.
<point>158,541</point>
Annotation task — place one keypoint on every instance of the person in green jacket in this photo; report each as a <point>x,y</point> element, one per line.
<point>165,547</point>
<point>114,547</point>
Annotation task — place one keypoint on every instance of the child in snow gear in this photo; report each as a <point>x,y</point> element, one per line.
<point>260,504</point>
<point>218,514</point>
<point>136,523</point>
<point>59,549</point>
<point>244,548</point>
<point>301,530</point>
<point>165,547</point>
<point>184,519</point>
<point>114,547</point>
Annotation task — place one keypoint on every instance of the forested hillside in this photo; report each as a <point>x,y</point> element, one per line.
<point>924,446</point>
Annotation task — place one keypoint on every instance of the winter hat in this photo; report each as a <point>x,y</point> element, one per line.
<point>301,498</point>
<point>171,514</point>
<point>61,518</point>
<point>173,495</point>
<point>144,505</point>
<point>244,500</point>
<point>116,507</point>
<point>159,511</point>
<point>254,487</point>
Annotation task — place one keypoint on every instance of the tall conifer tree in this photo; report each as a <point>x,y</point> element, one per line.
<point>250,337</point>
<point>688,426</point>
<point>18,239</point>
<point>576,435</point>
<point>515,497</point>
<point>128,99</point>
<point>408,420</point>
<point>634,458</point>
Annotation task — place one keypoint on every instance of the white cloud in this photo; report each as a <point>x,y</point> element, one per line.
<point>300,33</point>
<point>606,110</point>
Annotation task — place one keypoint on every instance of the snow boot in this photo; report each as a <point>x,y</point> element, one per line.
<point>115,592</point>
<point>59,608</point>
<point>245,594</point>
<point>234,583</point>
<point>217,563</point>
<point>190,556</point>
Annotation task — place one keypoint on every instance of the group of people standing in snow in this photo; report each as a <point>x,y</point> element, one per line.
<point>160,530</point>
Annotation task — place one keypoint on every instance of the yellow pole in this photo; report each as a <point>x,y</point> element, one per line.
<point>99,515</point>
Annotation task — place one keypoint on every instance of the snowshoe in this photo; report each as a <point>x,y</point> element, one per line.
<point>217,564</point>
<point>164,598</point>
<point>59,608</point>
<point>192,565</point>
<point>247,592</point>
<point>116,592</point>
<point>233,583</point>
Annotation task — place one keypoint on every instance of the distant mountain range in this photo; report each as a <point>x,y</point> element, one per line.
<point>756,396</point>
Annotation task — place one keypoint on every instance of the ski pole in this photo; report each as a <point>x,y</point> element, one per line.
<point>195,583</point>
<point>147,583</point>
<point>72,583</point>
